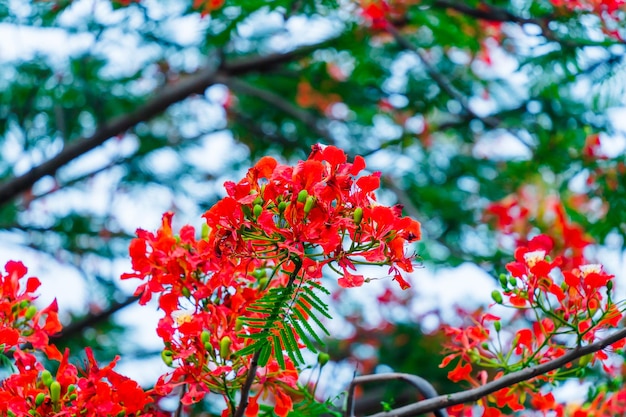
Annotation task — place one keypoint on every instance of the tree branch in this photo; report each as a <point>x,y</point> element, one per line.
<point>92,319</point>
<point>423,387</point>
<point>277,101</point>
<point>441,81</point>
<point>496,14</point>
<point>194,84</point>
<point>475,394</point>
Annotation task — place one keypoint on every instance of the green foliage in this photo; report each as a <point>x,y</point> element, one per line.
<point>282,312</point>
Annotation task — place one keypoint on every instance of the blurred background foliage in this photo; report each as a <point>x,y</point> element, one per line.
<point>491,121</point>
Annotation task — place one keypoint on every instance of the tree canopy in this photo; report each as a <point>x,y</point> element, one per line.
<point>491,123</point>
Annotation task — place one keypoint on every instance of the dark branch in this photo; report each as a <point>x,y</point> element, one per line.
<point>439,78</point>
<point>93,319</point>
<point>194,84</point>
<point>278,102</point>
<point>475,394</point>
<point>496,14</point>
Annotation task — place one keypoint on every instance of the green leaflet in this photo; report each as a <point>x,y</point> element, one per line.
<point>281,318</point>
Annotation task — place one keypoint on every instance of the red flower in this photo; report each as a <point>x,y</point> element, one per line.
<point>349,280</point>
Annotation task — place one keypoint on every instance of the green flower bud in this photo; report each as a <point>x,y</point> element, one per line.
<point>73,397</point>
<point>166,355</point>
<point>225,347</point>
<point>55,391</point>
<point>238,324</point>
<point>30,312</point>
<point>257,210</point>
<point>323,358</point>
<point>308,205</point>
<point>205,336</point>
<point>258,201</point>
<point>121,413</point>
<point>609,285</point>
<point>503,280</point>
<point>71,388</point>
<point>585,360</point>
<point>513,281</point>
<point>497,325</point>
<point>497,297</point>
<point>282,206</point>
<point>39,399</point>
<point>357,216</point>
<point>11,413</point>
<point>186,292</point>
<point>46,377</point>
<point>302,195</point>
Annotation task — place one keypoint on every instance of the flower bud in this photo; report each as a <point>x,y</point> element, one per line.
<point>186,292</point>
<point>497,297</point>
<point>257,210</point>
<point>357,216</point>
<point>503,281</point>
<point>71,388</point>
<point>282,206</point>
<point>166,355</point>
<point>302,195</point>
<point>609,285</point>
<point>39,399</point>
<point>55,391</point>
<point>513,281</point>
<point>46,377</point>
<point>205,336</point>
<point>225,347</point>
<point>497,325</point>
<point>323,358</point>
<point>308,205</point>
<point>238,324</point>
<point>30,312</point>
<point>205,231</point>
<point>585,360</point>
<point>258,201</point>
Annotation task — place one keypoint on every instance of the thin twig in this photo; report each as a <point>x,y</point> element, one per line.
<point>278,102</point>
<point>441,81</point>
<point>179,409</point>
<point>447,400</point>
<point>93,319</point>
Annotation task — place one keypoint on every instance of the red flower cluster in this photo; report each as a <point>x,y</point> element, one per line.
<point>33,390</point>
<point>20,321</point>
<point>278,226</point>
<point>558,309</point>
<point>517,214</point>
